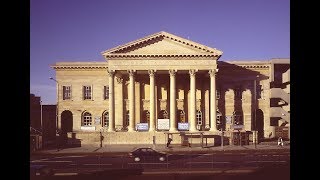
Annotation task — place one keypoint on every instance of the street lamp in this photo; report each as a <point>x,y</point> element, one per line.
<point>41,124</point>
<point>255,111</point>
<point>57,106</point>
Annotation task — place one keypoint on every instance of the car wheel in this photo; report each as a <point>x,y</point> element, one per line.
<point>161,158</point>
<point>137,159</point>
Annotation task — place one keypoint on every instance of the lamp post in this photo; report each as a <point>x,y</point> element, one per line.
<point>41,124</point>
<point>255,111</point>
<point>57,107</point>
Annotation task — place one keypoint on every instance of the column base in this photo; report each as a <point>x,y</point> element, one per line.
<point>131,130</point>
<point>151,129</point>
<point>193,130</point>
<point>173,130</point>
<point>111,130</point>
<point>214,130</point>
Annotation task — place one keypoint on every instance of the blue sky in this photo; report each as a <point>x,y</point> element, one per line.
<point>79,30</point>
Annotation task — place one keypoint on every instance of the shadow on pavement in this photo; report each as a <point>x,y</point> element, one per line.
<point>265,173</point>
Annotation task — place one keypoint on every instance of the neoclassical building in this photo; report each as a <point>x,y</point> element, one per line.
<point>164,85</point>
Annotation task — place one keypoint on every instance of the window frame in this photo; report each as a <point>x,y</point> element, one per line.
<point>85,94</point>
<point>65,91</point>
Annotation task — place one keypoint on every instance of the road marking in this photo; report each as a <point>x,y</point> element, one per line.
<point>67,156</point>
<point>264,161</point>
<point>97,164</point>
<point>202,172</point>
<point>206,162</point>
<point>50,161</point>
<point>65,174</point>
<point>148,163</point>
<point>39,160</point>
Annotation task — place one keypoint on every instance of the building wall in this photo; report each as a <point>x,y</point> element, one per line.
<point>35,112</point>
<point>230,76</point>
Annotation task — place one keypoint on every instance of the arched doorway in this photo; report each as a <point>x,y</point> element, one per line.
<point>66,121</point>
<point>66,126</point>
<point>260,124</point>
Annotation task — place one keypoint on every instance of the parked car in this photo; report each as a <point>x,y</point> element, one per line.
<point>147,154</point>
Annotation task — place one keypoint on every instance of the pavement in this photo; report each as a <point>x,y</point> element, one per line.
<point>173,149</point>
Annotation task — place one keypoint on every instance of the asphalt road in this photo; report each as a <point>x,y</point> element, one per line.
<point>73,165</point>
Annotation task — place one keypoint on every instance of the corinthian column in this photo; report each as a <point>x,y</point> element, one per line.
<point>213,106</point>
<point>152,100</point>
<point>173,102</point>
<point>111,127</point>
<point>131,127</point>
<point>192,107</point>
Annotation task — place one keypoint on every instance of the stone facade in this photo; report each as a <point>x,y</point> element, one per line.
<point>163,76</point>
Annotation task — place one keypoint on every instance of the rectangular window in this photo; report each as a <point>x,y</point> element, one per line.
<point>86,92</point>
<point>106,92</point>
<point>66,92</point>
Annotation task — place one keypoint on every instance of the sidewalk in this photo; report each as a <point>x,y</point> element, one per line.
<point>174,149</point>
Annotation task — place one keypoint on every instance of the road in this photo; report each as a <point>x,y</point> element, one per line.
<point>75,164</point>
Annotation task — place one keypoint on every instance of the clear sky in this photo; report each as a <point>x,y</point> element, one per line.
<point>79,30</point>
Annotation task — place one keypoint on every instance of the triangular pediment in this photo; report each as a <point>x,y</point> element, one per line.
<point>162,43</point>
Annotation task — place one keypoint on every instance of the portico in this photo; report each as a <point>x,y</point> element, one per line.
<point>163,56</point>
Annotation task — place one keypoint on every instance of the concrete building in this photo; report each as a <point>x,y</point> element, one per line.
<point>163,85</point>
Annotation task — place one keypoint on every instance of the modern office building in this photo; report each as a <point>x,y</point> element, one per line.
<point>164,86</point>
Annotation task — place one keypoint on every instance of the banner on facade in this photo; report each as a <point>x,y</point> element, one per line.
<point>88,128</point>
<point>228,119</point>
<point>163,124</point>
<point>142,127</point>
<point>183,126</point>
<point>97,120</point>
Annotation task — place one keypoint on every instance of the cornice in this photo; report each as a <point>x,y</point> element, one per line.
<point>80,65</point>
<point>135,56</point>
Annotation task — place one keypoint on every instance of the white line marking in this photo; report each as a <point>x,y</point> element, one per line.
<point>65,174</point>
<point>97,164</point>
<point>205,162</point>
<point>148,163</point>
<point>264,161</point>
<point>50,161</point>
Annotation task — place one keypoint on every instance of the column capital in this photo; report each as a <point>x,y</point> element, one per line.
<point>152,72</point>
<point>119,80</point>
<point>213,72</point>
<point>131,72</point>
<point>172,72</point>
<point>110,72</point>
<point>193,72</point>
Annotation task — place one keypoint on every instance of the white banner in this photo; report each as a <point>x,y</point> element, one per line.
<point>142,126</point>
<point>183,126</point>
<point>88,128</point>
<point>163,124</point>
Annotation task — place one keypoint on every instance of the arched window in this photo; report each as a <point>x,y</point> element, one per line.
<point>106,119</point>
<point>237,118</point>
<point>199,119</point>
<point>146,116</point>
<point>87,119</point>
<point>181,116</point>
<point>163,114</point>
